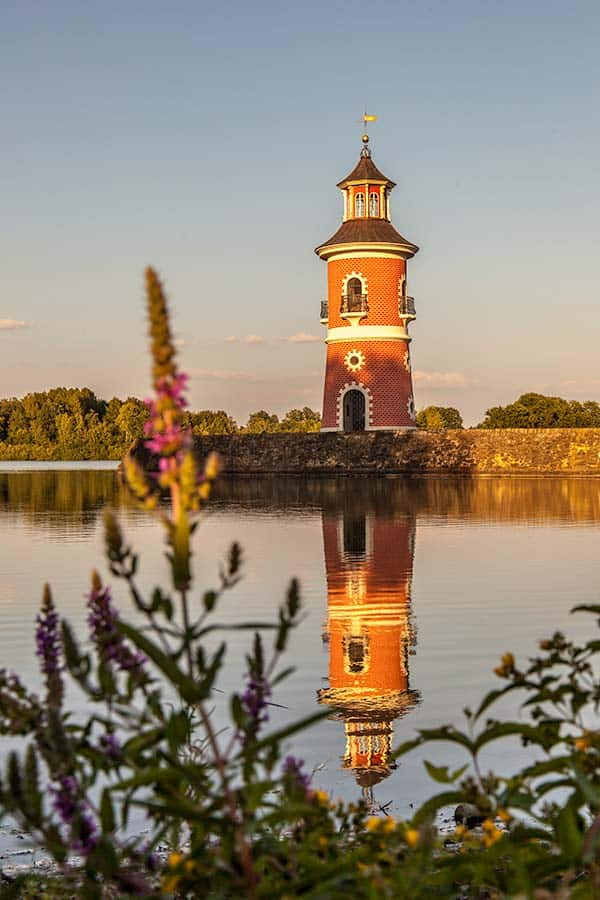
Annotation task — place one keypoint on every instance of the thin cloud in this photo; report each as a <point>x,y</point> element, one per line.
<point>221,375</point>
<point>12,324</point>
<point>443,380</point>
<point>302,338</point>
<point>249,339</point>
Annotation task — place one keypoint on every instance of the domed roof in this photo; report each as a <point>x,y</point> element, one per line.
<point>366,170</point>
<point>368,231</point>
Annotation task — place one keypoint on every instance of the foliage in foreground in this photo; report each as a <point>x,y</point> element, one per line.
<point>240,817</point>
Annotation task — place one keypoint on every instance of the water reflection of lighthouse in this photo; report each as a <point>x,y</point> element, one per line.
<point>369,562</point>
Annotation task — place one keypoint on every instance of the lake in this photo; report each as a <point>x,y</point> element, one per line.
<point>412,590</point>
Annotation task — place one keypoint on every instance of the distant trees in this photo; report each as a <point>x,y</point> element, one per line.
<point>439,418</point>
<point>538,411</point>
<point>209,421</point>
<point>72,423</point>
<point>69,423</point>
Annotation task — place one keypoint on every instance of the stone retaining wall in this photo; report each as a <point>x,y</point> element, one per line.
<point>517,451</point>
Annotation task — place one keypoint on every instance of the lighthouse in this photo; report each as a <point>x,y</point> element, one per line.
<point>369,632</point>
<point>368,380</point>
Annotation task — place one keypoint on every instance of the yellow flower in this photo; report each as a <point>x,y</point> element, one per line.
<point>460,832</point>
<point>411,837</point>
<point>372,823</point>
<point>584,742</point>
<point>507,666</point>
<point>388,824</point>
<point>170,883</point>
<point>504,816</point>
<point>321,797</point>
<point>189,865</point>
<point>491,833</point>
<point>174,859</point>
<point>323,842</point>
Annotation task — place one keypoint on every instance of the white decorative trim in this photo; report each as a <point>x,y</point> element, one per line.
<point>367,333</point>
<point>329,251</point>
<point>366,254</point>
<point>406,360</point>
<point>362,278</point>
<point>360,360</point>
<point>366,392</point>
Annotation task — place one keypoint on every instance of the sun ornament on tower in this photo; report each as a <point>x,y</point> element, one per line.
<point>368,379</point>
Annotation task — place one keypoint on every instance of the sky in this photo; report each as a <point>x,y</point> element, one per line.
<point>206,139</point>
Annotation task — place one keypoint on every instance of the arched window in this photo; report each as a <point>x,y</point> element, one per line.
<point>359,205</point>
<point>373,203</point>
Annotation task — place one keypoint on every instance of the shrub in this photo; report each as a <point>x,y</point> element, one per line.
<point>439,418</point>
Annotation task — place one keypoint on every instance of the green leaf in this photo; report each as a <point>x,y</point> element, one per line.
<point>31,785</point>
<point>300,725</point>
<point>569,834</point>
<point>107,815</point>
<point>186,685</point>
<point>438,773</point>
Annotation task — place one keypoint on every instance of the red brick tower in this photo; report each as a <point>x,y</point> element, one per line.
<point>368,383</point>
<point>368,561</point>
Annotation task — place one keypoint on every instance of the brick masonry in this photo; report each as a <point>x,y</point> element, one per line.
<point>518,451</point>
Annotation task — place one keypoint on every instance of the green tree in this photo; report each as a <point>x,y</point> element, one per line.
<point>208,421</point>
<point>131,418</point>
<point>439,418</point>
<point>303,420</point>
<point>538,411</point>
<point>261,422</point>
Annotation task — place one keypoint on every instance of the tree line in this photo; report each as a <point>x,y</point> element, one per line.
<point>73,423</point>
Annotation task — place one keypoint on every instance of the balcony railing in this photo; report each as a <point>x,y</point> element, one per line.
<point>354,303</point>
<point>324,310</point>
<point>406,306</point>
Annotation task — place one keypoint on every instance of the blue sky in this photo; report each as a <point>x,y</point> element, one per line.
<point>207,139</point>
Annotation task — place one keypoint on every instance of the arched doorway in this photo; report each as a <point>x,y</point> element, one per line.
<point>354,411</point>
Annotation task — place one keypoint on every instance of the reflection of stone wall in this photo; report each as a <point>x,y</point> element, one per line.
<point>469,452</point>
<point>553,498</point>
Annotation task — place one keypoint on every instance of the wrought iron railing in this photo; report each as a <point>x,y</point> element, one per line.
<point>406,306</point>
<point>354,303</point>
<point>324,310</point>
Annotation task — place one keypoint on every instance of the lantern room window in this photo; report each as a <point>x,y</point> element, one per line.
<point>359,205</point>
<point>374,204</point>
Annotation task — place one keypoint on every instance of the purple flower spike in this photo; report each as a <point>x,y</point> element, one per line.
<point>75,815</point>
<point>102,622</point>
<point>255,701</point>
<point>293,768</point>
<point>49,648</point>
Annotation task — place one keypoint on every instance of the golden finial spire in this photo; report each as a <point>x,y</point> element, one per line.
<point>366,117</point>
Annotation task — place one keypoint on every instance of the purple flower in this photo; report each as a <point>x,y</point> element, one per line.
<point>73,813</point>
<point>111,747</point>
<point>111,646</point>
<point>47,640</point>
<point>255,701</point>
<point>49,648</point>
<point>293,769</point>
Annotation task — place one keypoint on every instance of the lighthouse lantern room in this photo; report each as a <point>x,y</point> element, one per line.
<point>368,381</point>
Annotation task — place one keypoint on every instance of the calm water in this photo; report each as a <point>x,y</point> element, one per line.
<point>412,591</point>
